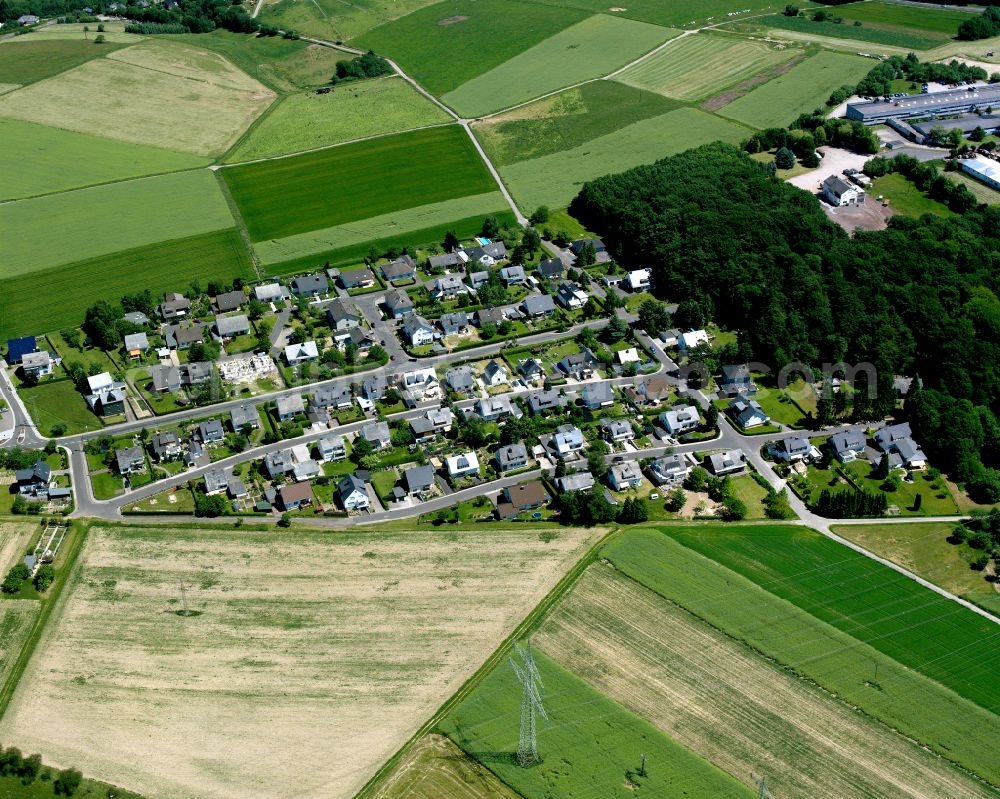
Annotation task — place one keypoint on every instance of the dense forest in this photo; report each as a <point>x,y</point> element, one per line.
<point>759,256</point>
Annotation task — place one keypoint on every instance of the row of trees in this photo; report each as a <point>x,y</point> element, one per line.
<point>878,81</point>
<point>191,16</point>
<point>983,26</point>
<point>851,503</point>
<point>592,507</point>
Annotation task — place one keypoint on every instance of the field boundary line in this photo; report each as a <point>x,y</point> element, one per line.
<point>240,226</point>
<point>528,624</point>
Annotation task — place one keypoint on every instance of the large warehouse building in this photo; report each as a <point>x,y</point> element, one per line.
<point>935,104</point>
<point>983,169</point>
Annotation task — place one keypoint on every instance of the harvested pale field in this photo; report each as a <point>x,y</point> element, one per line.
<point>15,538</point>
<point>314,657</point>
<point>437,769</point>
<point>113,32</point>
<point>184,104</point>
<point>731,706</point>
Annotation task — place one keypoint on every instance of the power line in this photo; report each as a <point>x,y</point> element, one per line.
<point>531,703</point>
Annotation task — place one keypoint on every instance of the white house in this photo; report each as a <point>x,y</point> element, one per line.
<point>301,353</point>
<point>692,340</point>
<point>682,419</point>
<point>625,475</point>
<point>639,279</point>
<point>568,440</point>
<point>838,191</point>
<point>495,374</point>
<point>418,330</point>
<point>353,493</point>
<point>464,465</point>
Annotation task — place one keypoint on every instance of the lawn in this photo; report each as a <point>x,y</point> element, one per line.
<point>935,502</point>
<point>985,194</point>
<point>106,485</point>
<point>191,99</point>
<point>905,198</point>
<point>26,59</point>
<point>909,39</point>
<point>356,181</point>
<point>593,47</point>
<point>566,120</point>
<point>752,495</point>
<point>59,403</point>
<point>114,31</point>
<point>61,160</point>
<point>467,30</point>
<point>702,65</point>
<point>555,179</point>
<point>144,211</point>
<point>859,596</point>
<point>308,120</point>
<point>326,690</point>
<point>677,13</point>
<point>590,746</point>
<point>434,216</point>
<point>779,407</point>
<point>804,87</point>
<point>383,483</point>
<point>801,646</point>
<point>936,20</point>
<point>161,267</point>
<point>183,502</point>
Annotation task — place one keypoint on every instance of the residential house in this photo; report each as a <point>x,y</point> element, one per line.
<point>130,460</point>
<point>230,301</point>
<point>361,339</point>
<point>332,448</point>
<point>166,445</point>
<point>38,364</point>
<point>486,254</point>
<point>34,481</point>
<point>669,338</point>
<point>681,419</point>
<point>747,412</point>
<point>305,469</point>
<point>269,292</point>
<point>374,387</point>
<point>195,454</point>
<point>453,324</point>
<point>568,440</point>
<point>541,402</point>
<point>398,303</point>
<point>578,481</point>
<point>244,417</point>
<point>838,192</point>
<point>17,348</point>
<point>310,285</point>
<point>538,306</point>
<point>451,260</point>
<point>912,456</point>
<point>490,316</point>
<point>337,397</point>
<point>27,19</point>
<point>135,344</point>
<point>522,498</point>
<point>511,457</point>
<point>723,463</point>
<point>180,337</point>
<point>216,481</point>
<point>361,278</point>
<point>600,250</point>
<point>353,492</point>
<point>571,296</point>
<point>232,326</point>
<point>419,479</point>
<point>531,370</point>
<point>278,464</point>
<point>897,439</point>
<point>402,268</point>
<point>628,355</point>
<point>377,433</point>
<point>887,437</point>
<point>598,395</point>
<point>669,470</point>
<point>418,331</point>
<point>165,378</point>
<point>736,380</point>
<point>551,269</point>
<point>460,380</point>
<point>419,385</point>
<point>692,340</point>
<point>174,305</point>
<point>195,373</point>
<point>639,280</point>
<point>651,391</point>
<point>296,495</point>
<point>342,315</point>
<point>289,407</point>
<point>617,431</point>
<point>846,446</point>
<point>107,396</point>
<point>306,352</point>
<point>237,489</point>
<point>211,432</point>
<point>494,408</point>
<point>512,275</point>
<point>477,279</point>
<point>447,287</point>
<point>495,374</point>
<point>137,318</point>
<point>625,475</point>
<point>579,365</point>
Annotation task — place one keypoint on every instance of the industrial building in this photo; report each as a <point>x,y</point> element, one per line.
<point>934,104</point>
<point>983,169</point>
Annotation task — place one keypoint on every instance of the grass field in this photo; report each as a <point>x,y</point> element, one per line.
<point>591,48</point>
<point>307,120</point>
<point>676,13</point>
<point>106,219</point>
<point>555,179</point>
<point>699,66</point>
<point>380,228</point>
<point>61,160</point>
<point>909,39</point>
<point>985,194</point>
<point>276,669</point>
<point>936,20</point>
<point>163,266</point>
<point>728,704</point>
<point>25,60</point>
<point>114,31</point>
<point>801,89</point>
<point>187,98</point>
<point>905,198</point>
<point>877,606</point>
<point>472,42</point>
<point>590,747</point>
<point>357,181</point>
<point>331,19</point>
<point>58,403</point>
<point>566,120</point>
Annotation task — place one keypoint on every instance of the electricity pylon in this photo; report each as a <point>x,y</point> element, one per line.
<point>763,792</point>
<point>531,703</point>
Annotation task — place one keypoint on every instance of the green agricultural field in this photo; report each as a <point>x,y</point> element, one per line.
<point>876,605</point>
<point>418,239</point>
<point>74,31</point>
<point>447,44</point>
<point>36,159</point>
<point>43,232</point>
<point>357,181</point>
<point>936,20</point>
<point>190,99</point>
<point>567,120</point>
<point>25,60</point>
<point>335,20</point>
<point>594,47</point>
<point>379,228</point>
<point>160,267</point>
<point>921,708</point>
<point>699,66</point>
<point>306,121</point>
<point>282,64</point>
<point>555,179</point>
<point>591,745</point>
<point>909,39</point>
<point>801,89</point>
<point>59,403</point>
<point>677,13</point>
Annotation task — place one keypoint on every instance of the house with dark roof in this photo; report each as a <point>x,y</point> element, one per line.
<point>723,463</point>
<point>230,301</point>
<point>598,395</point>
<point>492,409</point>
<point>448,286</point>
<point>245,416</point>
<point>460,379</point>
<point>378,434</point>
<point>599,248</point>
<point>551,269</point>
<point>625,475</point>
<point>512,275</point>
<point>129,460</point>
<point>310,285</point>
<point>166,445</point>
<point>34,481</point>
<point>174,305</point>
<point>847,445</point>
<point>17,348</point>
<point>289,407</point>
<point>449,260</point>
<point>353,492</point>
<point>195,373</point>
<point>531,369</point>
<point>617,431</point>
<point>278,464</point>
<point>495,374</point>
<point>486,254</point>
<point>165,378</point>
<point>342,315</point>
<point>571,296</point>
<point>373,387</point>
<point>541,402</point>
<point>736,380</point>
<point>211,432</point>
<point>747,412</point>
<point>418,331</point>
<point>580,365</point>
<point>538,306</point>
<point>651,391</point>
<point>511,457</point>
<point>669,470</point>
<point>398,303</point>
<point>577,481</point>
<point>295,495</point>
<point>232,326</point>
<point>452,324</point>
<point>520,498</point>
<point>403,268</point>
<point>216,481</point>
<point>180,337</point>
<point>790,449</point>
<point>361,278</point>
<point>419,479</point>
